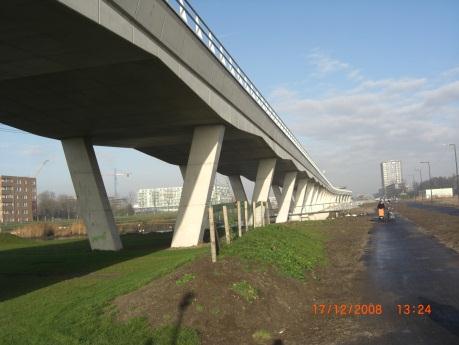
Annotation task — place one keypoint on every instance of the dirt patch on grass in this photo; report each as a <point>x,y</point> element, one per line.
<point>443,226</point>
<point>238,301</point>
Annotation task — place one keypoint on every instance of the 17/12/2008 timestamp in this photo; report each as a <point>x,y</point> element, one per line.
<point>369,309</point>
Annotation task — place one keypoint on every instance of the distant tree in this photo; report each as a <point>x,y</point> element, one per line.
<point>51,206</point>
<point>47,205</point>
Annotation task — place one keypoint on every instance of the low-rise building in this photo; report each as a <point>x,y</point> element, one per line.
<point>18,199</point>
<point>439,193</point>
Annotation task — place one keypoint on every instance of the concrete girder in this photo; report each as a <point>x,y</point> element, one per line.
<point>197,188</point>
<point>91,195</point>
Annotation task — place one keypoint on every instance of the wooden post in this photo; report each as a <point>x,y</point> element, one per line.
<point>246,216</point>
<point>262,213</point>
<point>213,246</point>
<point>227,227</point>
<point>239,220</point>
<point>254,207</point>
<point>267,220</point>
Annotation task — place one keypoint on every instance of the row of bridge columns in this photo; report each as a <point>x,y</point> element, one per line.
<point>297,197</point>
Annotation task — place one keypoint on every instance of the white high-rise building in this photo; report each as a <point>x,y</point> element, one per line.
<point>391,173</point>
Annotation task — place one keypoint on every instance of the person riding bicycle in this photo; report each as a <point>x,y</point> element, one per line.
<point>381,209</point>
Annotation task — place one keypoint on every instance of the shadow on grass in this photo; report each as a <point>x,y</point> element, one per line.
<point>35,265</point>
<point>186,301</point>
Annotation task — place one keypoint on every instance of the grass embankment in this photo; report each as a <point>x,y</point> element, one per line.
<point>442,226</point>
<point>59,292</point>
<point>261,289</point>
<point>293,249</point>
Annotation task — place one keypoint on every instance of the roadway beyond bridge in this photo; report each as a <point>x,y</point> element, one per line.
<point>149,75</point>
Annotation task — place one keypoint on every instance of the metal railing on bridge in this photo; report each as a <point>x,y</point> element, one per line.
<point>195,23</point>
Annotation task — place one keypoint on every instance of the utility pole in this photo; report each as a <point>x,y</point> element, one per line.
<point>420,184</point>
<point>430,180</point>
<point>457,175</point>
<point>412,185</point>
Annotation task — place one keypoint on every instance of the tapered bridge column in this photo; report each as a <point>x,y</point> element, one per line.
<point>237,187</point>
<point>262,186</point>
<point>287,193</point>
<point>299,199</point>
<point>310,188</point>
<point>197,187</point>
<point>91,195</point>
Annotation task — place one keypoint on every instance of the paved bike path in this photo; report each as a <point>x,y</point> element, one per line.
<point>405,266</point>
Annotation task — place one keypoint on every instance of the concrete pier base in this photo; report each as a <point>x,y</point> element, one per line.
<point>92,197</point>
<point>197,187</point>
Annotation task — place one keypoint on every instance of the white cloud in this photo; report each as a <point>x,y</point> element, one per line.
<point>325,64</point>
<point>353,130</point>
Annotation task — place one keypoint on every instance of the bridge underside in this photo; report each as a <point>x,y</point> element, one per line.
<point>67,77</point>
<point>73,78</point>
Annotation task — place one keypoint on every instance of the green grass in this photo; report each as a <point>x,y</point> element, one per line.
<point>261,336</point>
<point>245,290</point>
<point>185,279</point>
<point>60,292</point>
<point>292,248</point>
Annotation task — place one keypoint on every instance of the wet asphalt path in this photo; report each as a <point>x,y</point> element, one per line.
<point>406,266</point>
<point>452,211</point>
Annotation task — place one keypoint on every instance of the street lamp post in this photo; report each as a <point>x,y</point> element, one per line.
<point>457,175</point>
<point>420,184</point>
<point>430,180</point>
<point>412,185</point>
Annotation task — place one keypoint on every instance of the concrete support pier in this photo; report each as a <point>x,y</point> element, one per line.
<point>287,193</point>
<point>92,197</point>
<point>237,187</point>
<point>263,182</point>
<point>299,198</point>
<point>198,183</point>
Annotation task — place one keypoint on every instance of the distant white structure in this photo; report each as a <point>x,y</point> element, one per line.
<point>391,173</point>
<point>167,199</point>
<point>439,193</point>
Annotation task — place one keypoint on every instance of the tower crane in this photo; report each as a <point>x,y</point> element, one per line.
<point>40,168</point>
<point>115,175</point>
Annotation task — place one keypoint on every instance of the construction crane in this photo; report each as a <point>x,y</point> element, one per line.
<point>40,168</point>
<point>115,175</point>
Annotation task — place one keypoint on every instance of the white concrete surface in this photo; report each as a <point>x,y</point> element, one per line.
<point>299,198</point>
<point>237,187</point>
<point>287,193</point>
<point>92,197</point>
<point>197,187</point>
<point>263,182</point>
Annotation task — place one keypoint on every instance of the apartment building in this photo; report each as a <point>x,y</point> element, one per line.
<point>391,173</point>
<point>18,199</point>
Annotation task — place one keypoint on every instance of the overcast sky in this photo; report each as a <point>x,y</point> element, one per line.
<point>358,82</point>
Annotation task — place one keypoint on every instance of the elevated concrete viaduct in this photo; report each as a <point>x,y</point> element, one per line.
<point>148,75</point>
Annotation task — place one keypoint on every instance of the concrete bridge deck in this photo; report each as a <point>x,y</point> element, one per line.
<point>149,75</point>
